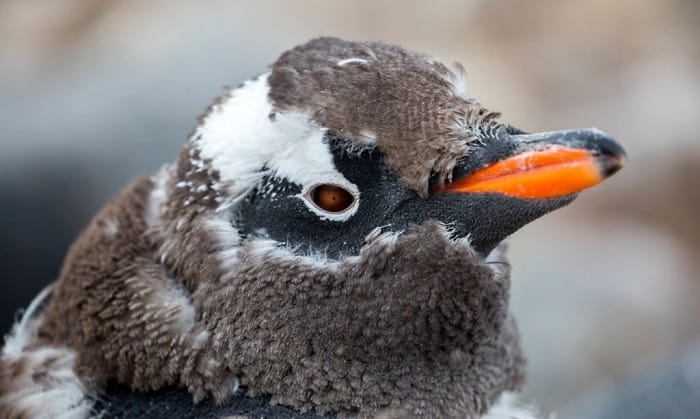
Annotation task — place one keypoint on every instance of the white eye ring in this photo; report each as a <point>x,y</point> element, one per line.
<point>331,198</point>
<point>338,203</point>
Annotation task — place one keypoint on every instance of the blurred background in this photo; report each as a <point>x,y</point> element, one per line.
<point>607,291</point>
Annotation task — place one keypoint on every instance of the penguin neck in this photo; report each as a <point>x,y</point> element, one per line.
<point>409,307</point>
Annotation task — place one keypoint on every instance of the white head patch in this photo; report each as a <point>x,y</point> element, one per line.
<point>244,139</point>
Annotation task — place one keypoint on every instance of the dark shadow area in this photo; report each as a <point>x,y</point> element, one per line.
<point>43,210</point>
<point>172,403</point>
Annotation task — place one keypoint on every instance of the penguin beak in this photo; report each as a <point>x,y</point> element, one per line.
<point>544,165</point>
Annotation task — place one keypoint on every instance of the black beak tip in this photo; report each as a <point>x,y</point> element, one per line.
<point>610,154</point>
<point>611,164</point>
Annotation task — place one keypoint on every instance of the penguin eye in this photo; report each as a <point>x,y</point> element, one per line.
<point>331,198</point>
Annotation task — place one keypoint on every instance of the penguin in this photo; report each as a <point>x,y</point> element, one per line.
<point>331,235</point>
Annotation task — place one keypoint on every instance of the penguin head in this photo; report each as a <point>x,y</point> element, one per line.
<point>343,138</point>
<point>337,221</point>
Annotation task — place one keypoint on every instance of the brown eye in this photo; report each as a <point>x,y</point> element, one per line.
<point>331,198</point>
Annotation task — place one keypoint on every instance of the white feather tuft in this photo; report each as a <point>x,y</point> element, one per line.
<point>226,241</point>
<point>458,79</point>
<point>353,60</point>
<point>508,406</point>
<point>110,227</point>
<point>46,386</point>
<point>42,382</point>
<point>159,194</point>
<point>24,330</point>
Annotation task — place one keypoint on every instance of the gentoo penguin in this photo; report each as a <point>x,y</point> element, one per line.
<point>329,236</point>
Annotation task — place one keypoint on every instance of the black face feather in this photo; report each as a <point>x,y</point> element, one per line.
<point>275,209</point>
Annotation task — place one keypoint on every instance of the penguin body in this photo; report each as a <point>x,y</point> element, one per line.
<point>319,240</point>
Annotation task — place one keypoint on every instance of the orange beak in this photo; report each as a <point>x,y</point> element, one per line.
<point>550,172</point>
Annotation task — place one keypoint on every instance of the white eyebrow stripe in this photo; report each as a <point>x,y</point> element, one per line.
<point>239,138</point>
